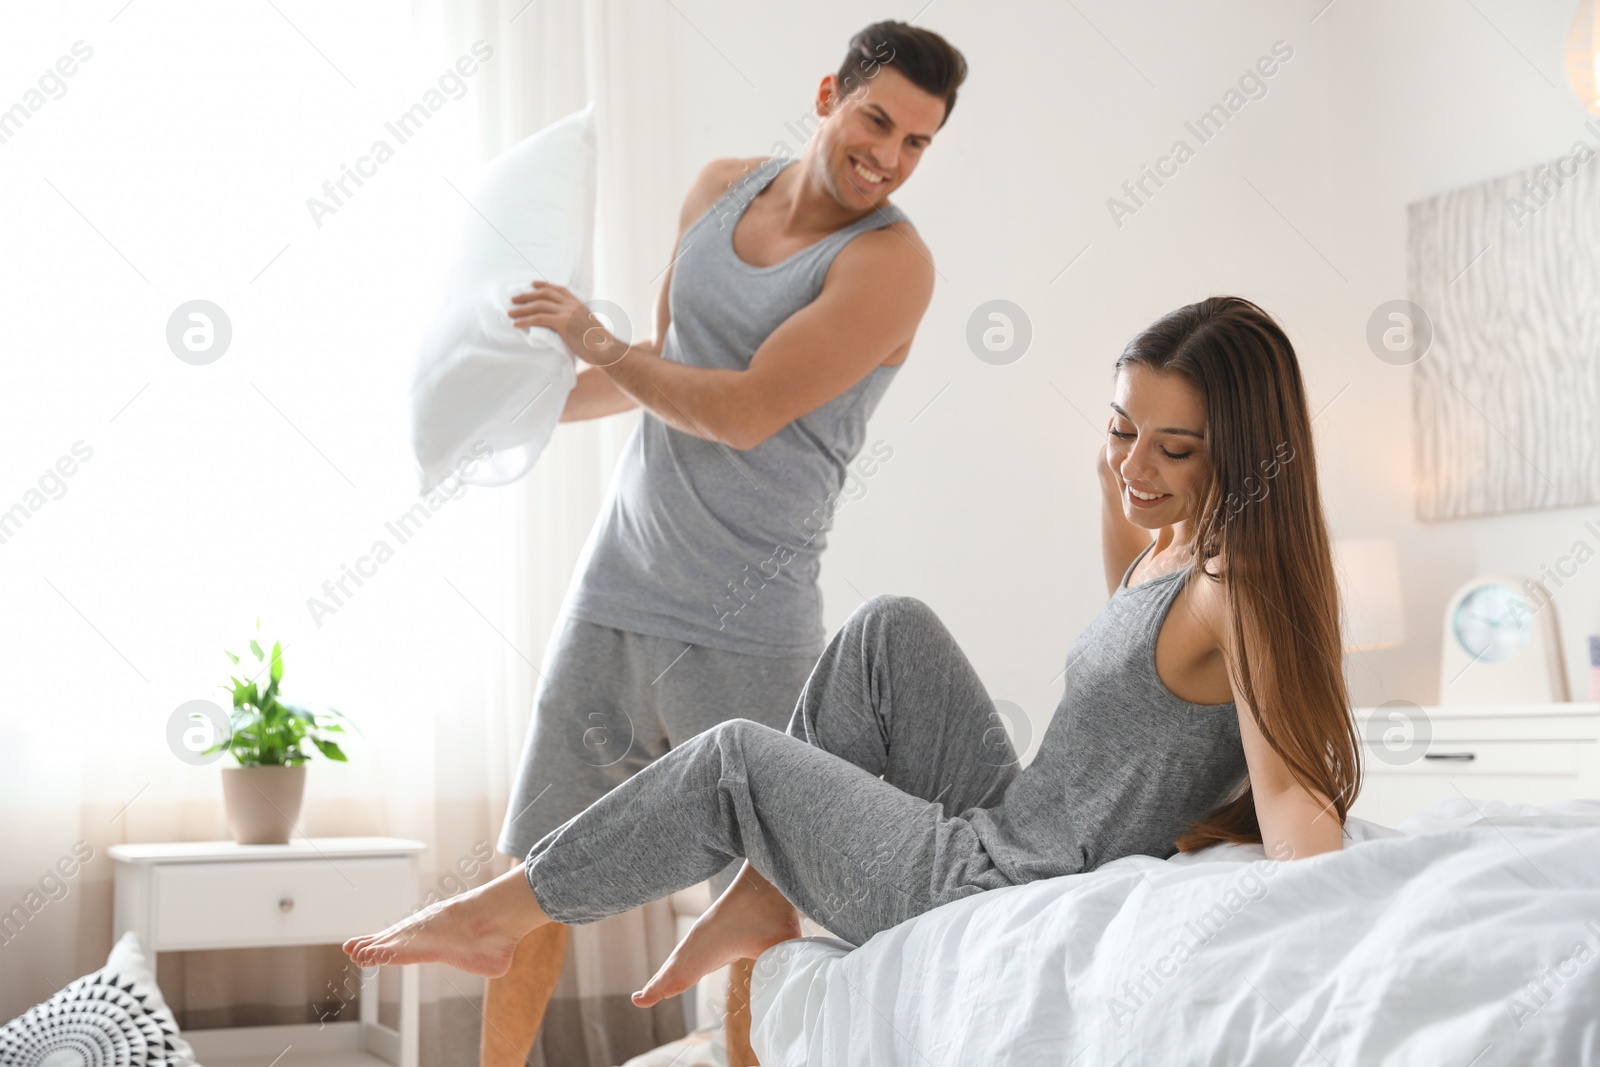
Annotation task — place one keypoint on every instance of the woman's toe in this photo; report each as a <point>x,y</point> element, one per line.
<point>652,989</point>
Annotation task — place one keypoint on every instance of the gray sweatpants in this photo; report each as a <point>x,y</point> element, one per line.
<point>610,701</point>
<point>892,695</point>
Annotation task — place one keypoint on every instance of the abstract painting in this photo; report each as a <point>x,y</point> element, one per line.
<point>1507,395</point>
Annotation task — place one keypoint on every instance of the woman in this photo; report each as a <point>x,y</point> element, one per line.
<point>1226,721</point>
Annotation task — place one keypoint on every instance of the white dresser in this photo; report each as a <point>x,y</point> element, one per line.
<point>316,891</point>
<point>1529,753</point>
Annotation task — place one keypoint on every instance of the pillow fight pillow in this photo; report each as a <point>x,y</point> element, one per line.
<point>486,396</point>
<point>115,1016</point>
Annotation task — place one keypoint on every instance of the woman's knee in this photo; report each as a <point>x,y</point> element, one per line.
<point>894,619</point>
<point>744,751</point>
<point>897,610</point>
<point>741,735</point>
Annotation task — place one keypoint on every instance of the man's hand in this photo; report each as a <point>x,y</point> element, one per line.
<point>555,308</point>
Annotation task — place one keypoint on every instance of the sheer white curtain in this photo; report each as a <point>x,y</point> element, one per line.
<point>178,164</point>
<point>560,54</point>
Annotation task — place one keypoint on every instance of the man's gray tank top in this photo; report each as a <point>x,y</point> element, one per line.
<point>717,546</point>
<point>1125,765</point>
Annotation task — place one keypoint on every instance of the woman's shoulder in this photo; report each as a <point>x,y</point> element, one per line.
<point>1208,593</point>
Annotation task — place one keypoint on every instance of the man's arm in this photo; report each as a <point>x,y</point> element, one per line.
<point>872,300</point>
<point>595,395</point>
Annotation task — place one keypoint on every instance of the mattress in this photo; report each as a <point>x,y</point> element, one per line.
<point>1473,940</point>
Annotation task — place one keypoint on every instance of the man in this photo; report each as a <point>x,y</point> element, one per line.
<point>795,291</point>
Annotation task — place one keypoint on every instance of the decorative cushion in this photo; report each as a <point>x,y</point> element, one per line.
<point>115,1017</point>
<point>486,396</point>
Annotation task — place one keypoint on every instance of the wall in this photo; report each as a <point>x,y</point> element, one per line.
<point>1433,96</point>
<point>988,510</point>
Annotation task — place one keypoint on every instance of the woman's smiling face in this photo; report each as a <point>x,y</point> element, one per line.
<point>1157,444</point>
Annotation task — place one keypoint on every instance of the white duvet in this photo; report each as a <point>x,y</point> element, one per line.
<point>1471,942</point>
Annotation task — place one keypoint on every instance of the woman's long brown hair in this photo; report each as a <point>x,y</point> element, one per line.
<point>1261,512</point>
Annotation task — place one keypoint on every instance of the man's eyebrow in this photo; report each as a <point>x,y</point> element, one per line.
<point>1180,431</point>
<point>887,118</point>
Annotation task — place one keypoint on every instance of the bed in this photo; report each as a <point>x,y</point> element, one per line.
<point>1470,937</point>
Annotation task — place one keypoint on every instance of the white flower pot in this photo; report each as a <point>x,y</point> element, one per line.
<point>263,803</point>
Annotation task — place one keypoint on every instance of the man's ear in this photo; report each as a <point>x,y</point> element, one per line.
<point>828,95</point>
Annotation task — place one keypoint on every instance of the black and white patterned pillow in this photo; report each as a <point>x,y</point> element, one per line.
<point>115,1017</point>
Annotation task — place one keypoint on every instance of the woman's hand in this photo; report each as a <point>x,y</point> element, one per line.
<point>556,308</point>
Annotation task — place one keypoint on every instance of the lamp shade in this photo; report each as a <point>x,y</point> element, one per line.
<point>1583,54</point>
<point>1369,593</point>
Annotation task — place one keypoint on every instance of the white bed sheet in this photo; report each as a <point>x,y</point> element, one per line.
<point>1474,940</point>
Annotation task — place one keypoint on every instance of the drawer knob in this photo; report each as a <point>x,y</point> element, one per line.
<point>286,904</point>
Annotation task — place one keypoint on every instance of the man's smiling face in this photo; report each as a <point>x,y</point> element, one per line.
<point>873,139</point>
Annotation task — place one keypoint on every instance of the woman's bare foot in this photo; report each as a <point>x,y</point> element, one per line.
<point>741,924</point>
<point>476,931</point>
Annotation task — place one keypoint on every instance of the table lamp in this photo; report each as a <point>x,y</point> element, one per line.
<point>1369,593</point>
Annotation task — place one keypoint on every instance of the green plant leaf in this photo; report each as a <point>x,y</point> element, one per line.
<point>218,746</point>
<point>270,732</point>
<point>231,656</point>
<point>343,717</point>
<point>329,749</point>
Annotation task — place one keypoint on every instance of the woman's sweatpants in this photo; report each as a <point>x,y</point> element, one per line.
<point>892,695</point>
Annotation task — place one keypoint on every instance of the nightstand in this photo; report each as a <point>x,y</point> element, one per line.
<point>316,891</point>
<point>1528,753</point>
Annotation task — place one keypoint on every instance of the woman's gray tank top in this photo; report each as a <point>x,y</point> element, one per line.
<point>1125,765</point>
<point>717,546</point>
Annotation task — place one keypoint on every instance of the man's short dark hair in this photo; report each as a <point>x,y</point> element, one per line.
<point>927,60</point>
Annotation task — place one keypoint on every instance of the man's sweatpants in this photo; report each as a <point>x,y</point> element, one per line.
<point>610,702</point>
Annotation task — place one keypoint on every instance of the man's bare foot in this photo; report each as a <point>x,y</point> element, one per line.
<point>476,931</point>
<point>744,922</point>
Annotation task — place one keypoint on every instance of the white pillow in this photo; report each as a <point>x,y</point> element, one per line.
<point>486,395</point>
<point>114,1016</point>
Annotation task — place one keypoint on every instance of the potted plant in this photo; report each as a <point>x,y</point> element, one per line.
<point>262,795</point>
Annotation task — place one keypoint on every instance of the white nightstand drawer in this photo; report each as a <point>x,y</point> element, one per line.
<point>303,902</point>
<point>1451,759</point>
<point>1521,753</point>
